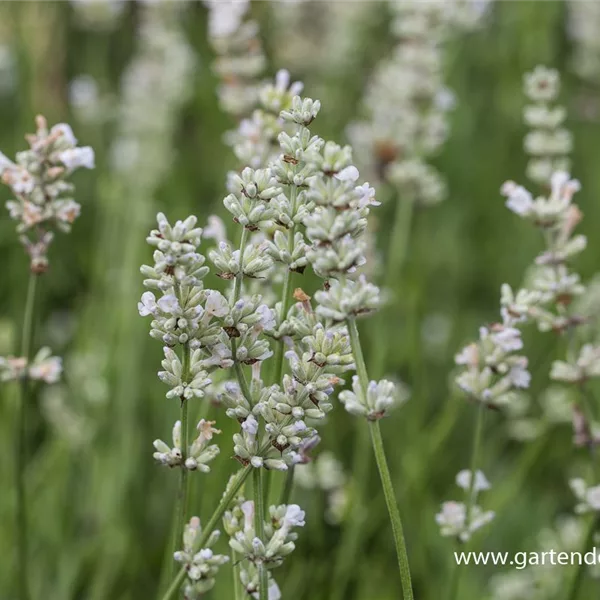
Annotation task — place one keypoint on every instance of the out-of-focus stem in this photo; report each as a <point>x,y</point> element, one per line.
<point>575,584</point>
<point>27,336</point>
<point>478,434</point>
<point>470,500</point>
<point>382,466</point>
<point>259,527</point>
<point>399,239</point>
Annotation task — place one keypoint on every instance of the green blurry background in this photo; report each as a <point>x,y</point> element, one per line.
<point>100,509</point>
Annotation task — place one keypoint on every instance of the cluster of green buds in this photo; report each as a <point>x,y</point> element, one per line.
<point>201,564</point>
<point>39,180</point>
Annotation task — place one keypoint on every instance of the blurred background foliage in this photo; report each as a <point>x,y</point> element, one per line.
<point>100,509</point>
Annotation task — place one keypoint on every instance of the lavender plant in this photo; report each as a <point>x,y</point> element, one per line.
<point>549,295</point>
<point>42,203</point>
<point>491,369</point>
<point>313,185</point>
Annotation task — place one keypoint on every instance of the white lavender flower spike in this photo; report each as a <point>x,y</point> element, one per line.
<point>42,193</point>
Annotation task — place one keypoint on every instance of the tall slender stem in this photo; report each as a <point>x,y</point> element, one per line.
<point>359,359</point>
<point>181,504</point>
<point>397,251</point>
<point>21,449</point>
<point>259,527</point>
<point>454,581</point>
<point>471,493</point>
<point>399,238</point>
<point>478,434</point>
<point>392,505</point>
<point>382,466</point>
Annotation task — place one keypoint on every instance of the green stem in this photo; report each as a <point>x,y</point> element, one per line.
<point>471,494</point>
<point>399,239</point>
<point>286,493</point>
<point>22,446</point>
<point>233,488</point>
<point>237,584</point>
<point>239,372</point>
<point>454,581</point>
<point>392,505</point>
<point>286,295</point>
<point>259,526</point>
<point>359,359</point>
<point>575,583</point>
<point>475,460</point>
<point>382,466</point>
<point>519,475</point>
<point>237,292</point>
<point>181,504</point>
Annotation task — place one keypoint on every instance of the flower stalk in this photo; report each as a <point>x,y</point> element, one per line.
<point>41,203</point>
<point>27,340</point>
<point>382,467</point>
<point>471,491</point>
